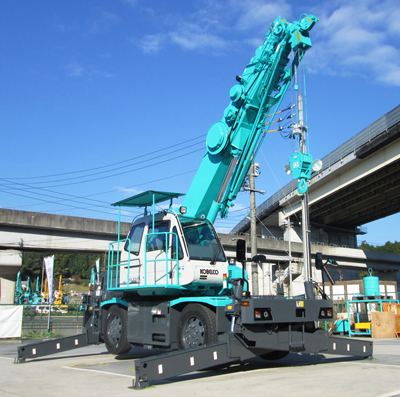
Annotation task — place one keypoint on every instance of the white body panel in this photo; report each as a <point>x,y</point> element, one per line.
<point>150,267</point>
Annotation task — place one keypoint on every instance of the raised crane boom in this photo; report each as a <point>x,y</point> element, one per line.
<point>233,142</point>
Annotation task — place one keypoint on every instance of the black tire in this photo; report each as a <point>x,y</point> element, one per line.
<point>274,355</point>
<point>115,333</point>
<point>197,326</point>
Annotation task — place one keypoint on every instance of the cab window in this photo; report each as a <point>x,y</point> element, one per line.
<point>157,241</point>
<point>201,241</point>
<point>135,235</point>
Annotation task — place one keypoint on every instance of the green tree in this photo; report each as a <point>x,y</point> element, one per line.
<point>31,265</point>
<point>65,264</point>
<point>389,247</point>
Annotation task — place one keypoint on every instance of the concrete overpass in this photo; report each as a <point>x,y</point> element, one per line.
<point>31,231</point>
<point>359,183</point>
<point>35,231</point>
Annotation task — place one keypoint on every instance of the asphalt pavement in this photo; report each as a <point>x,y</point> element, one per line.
<point>93,371</point>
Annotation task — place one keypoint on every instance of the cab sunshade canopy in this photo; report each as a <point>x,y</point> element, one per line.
<point>146,199</point>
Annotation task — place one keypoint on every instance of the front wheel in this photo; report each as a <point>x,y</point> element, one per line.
<point>196,327</point>
<point>116,328</point>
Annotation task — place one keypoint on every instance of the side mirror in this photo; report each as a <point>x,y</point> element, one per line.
<point>320,266</point>
<point>259,258</point>
<point>318,260</point>
<point>241,250</point>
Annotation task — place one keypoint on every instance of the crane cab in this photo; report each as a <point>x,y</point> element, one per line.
<point>166,253</point>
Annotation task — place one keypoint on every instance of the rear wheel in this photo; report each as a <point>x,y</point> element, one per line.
<point>115,336</point>
<point>196,327</point>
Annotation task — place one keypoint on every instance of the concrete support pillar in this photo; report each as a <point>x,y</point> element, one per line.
<point>10,264</point>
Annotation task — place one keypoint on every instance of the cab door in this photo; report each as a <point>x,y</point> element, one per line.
<point>157,255</point>
<point>129,273</point>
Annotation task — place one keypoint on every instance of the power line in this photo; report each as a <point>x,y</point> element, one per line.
<point>112,164</point>
<point>47,201</point>
<point>85,197</point>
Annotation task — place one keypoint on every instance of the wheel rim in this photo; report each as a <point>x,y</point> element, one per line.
<point>193,333</point>
<point>115,330</point>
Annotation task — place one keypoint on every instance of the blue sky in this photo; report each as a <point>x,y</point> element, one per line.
<point>100,100</point>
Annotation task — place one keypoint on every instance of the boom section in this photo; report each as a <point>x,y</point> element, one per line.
<point>233,142</point>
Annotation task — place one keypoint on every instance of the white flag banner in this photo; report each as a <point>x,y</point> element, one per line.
<point>49,265</point>
<point>98,271</point>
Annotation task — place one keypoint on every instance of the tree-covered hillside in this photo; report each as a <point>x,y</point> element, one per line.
<point>391,248</point>
<point>65,264</point>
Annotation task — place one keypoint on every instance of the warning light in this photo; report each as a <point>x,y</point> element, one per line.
<point>224,280</point>
<point>326,312</point>
<point>263,314</point>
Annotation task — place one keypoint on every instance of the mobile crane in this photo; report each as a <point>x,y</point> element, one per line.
<point>169,284</point>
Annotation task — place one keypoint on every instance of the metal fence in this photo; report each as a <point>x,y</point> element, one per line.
<point>366,135</point>
<point>51,320</point>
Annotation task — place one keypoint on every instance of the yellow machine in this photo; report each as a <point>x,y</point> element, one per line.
<point>45,291</point>
<point>58,301</point>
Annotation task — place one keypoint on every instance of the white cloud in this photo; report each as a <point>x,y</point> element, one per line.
<point>258,13</point>
<point>191,36</point>
<point>210,27</point>
<point>103,22</point>
<point>151,43</point>
<point>131,3</point>
<point>64,27</point>
<point>358,38</point>
<point>103,73</point>
<point>187,36</point>
<point>128,191</point>
<point>76,69</point>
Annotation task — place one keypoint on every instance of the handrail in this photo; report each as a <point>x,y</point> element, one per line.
<point>113,268</point>
<point>111,265</point>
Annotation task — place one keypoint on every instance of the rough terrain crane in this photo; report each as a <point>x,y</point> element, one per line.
<point>169,283</point>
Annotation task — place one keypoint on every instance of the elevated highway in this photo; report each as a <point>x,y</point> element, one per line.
<point>35,231</point>
<point>31,231</point>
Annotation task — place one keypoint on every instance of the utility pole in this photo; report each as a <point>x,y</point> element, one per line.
<point>290,294</point>
<point>305,222</point>
<point>253,224</point>
<point>253,229</point>
<point>304,199</point>
<point>301,166</point>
